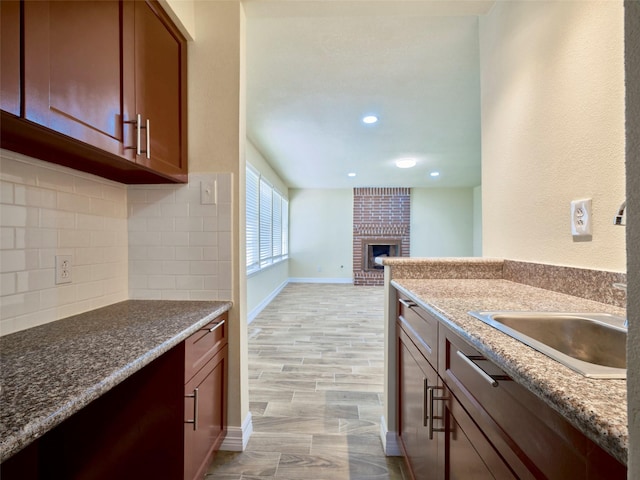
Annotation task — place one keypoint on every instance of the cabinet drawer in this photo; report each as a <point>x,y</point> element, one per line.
<point>204,344</point>
<point>534,439</point>
<point>422,326</point>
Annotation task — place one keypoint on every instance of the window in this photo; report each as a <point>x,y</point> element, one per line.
<point>267,223</point>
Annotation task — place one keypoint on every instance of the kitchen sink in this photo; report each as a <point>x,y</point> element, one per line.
<point>592,344</point>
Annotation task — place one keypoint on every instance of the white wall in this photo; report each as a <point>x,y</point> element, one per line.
<point>552,86</point>
<point>321,234</point>
<point>48,210</point>
<point>442,222</point>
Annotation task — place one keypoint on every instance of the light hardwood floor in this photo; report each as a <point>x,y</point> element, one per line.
<point>315,389</point>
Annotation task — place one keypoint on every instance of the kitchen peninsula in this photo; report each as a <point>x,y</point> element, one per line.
<point>445,290</point>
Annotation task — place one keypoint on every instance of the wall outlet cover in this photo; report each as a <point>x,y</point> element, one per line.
<point>581,218</point>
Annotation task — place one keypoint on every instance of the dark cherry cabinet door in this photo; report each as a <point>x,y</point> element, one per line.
<point>415,375</point>
<point>75,71</point>
<point>10,54</point>
<point>160,86</point>
<point>466,452</point>
<point>205,404</point>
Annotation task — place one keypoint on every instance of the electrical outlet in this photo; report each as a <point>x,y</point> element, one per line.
<point>63,269</point>
<point>581,218</point>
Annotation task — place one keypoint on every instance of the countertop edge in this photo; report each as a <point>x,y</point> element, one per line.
<point>35,429</point>
<point>609,442</point>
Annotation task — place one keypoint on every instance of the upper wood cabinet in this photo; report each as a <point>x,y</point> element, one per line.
<point>160,90</point>
<point>74,76</point>
<point>104,89</point>
<point>10,55</point>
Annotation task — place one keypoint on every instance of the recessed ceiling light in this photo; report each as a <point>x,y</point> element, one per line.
<point>435,174</point>
<point>370,119</point>
<point>405,162</point>
<point>351,174</point>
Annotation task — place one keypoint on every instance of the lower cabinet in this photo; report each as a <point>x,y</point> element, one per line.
<point>461,417</point>
<point>205,407</point>
<point>163,422</point>
<point>415,376</point>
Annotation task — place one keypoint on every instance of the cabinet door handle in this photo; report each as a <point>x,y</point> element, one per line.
<point>470,361</point>
<point>215,327</point>
<point>425,404</point>
<point>407,303</point>
<point>148,150</point>
<point>432,415</point>
<point>194,395</point>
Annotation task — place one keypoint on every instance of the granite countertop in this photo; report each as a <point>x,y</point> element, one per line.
<point>596,407</point>
<point>50,372</point>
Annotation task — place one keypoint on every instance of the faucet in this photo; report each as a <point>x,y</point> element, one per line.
<point>619,219</point>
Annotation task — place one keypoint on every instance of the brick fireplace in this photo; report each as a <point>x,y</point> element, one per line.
<point>381,219</point>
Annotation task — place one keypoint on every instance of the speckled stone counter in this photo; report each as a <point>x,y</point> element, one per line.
<point>50,372</point>
<point>598,408</point>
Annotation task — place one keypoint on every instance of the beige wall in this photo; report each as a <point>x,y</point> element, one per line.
<point>552,86</point>
<point>264,284</point>
<point>477,221</point>
<point>216,144</point>
<point>441,222</point>
<point>321,233</point>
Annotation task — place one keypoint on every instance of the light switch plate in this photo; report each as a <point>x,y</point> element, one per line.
<point>208,193</point>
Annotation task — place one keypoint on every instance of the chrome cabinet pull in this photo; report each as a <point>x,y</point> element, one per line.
<point>215,327</point>
<point>138,124</point>
<point>432,415</point>
<point>194,395</point>
<point>148,150</point>
<point>407,303</point>
<point>469,360</point>
<point>425,404</point>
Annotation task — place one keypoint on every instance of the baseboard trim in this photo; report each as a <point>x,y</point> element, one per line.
<point>266,301</point>
<point>319,280</point>
<point>390,443</point>
<point>238,437</point>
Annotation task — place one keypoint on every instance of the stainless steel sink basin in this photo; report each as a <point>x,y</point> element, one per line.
<point>589,343</point>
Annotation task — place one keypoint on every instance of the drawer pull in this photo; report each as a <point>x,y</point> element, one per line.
<point>194,395</point>
<point>407,303</point>
<point>470,361</point>
<point>215,327</point>
<point>432,414</point>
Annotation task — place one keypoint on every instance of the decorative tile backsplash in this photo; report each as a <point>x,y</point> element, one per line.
<point>179,248</point>
<point>48,210</point>
<point>142,241</point>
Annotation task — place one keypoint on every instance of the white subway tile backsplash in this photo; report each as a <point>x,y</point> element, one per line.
<point>7,238</point>
<point>6,192</point>
<point>47,212</point>
<point>189,240</point>
<point>175,239</point>
<point>139,241</point>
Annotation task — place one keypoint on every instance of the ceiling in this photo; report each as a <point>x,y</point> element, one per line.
<point>315,68</point>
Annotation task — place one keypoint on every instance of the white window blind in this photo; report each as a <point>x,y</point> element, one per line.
<point>276,234</point>
<point>267,223</point>
<point>253,215</point>
<point>285,227</point>
<point>266,211</point>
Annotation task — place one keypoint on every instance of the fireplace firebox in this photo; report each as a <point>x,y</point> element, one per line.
<point>380,248</point>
